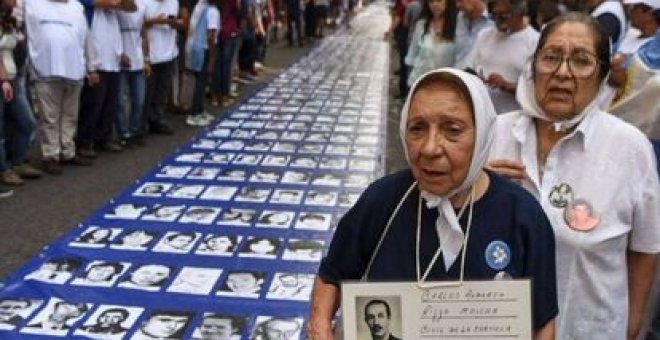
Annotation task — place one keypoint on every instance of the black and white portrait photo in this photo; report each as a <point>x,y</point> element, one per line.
<point>324,198</point>
<point>265,176</point>
<point>173,171</point>
<point>231,145</point>
<point>247,159</point>
<point>219,157</point>
<point>204,143</point>
<point>109,322</point>
<point>310,149</point>
<point>101,274</point>
<point>313,221</point>
<point>258,146</point>
<point>296,177</point>
<point>304,162</point>
<point>362,164</point>
<point>95,237</point>
<point>275,219</point>
<point>284,147</point>
<point>14,311</point>
<point>126,211</point>
<point>203,173</point>
<point>303,250</point>
<point>338,150</point>
<point>56,270</point>
<point>185,191</point>
<point>252,194</point>
<point>200,215</point>
<point>237,217</point>
<point>286,196</point>
<point>378,317</point>
<point>218,245</point>
<point>292,135</point>
<point>347,199</point>
<point>260,247</point>
<point>277,328</point>
<point>194,280</point>
<point>152,189</point>
<point>176,242</point>
<point>149,277</point>
<point>219,132</point>
<point>333,163</point>
<point>326,179</point>
<point>276,160</point>
<point>162,324</point>
<point>163,213</point>
<point>139,240</point>
<point>220,327</point>
<point>357,180</point>
<point>242,283</point>
<point>57,318</point>
<point>190,157</point>
<point>234,175</point>
<point>291,286</point>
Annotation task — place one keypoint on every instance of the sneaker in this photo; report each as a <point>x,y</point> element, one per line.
<point>52,167</point>
<point>27,171</point>
<point>77,161</point>
<point>233,90</point>
<point>87,152</point>
<point>9,177</point>
<point>197,120</point>
<point>5,192</point>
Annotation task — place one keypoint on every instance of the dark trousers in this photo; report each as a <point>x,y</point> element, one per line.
<point>293,23</point>
<point>223,64</point>
<point>247,55</point>
<point>201,78</point>
<point>401,39</point>
<point>159,90</point>
<point>98,106</point>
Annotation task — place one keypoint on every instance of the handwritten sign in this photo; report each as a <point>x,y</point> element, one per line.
<point>473,310</point>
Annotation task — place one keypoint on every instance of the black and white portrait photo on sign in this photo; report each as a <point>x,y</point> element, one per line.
<point>299,126</point>
<point>234,145</point>
<point>276,327</point>
<point>324,198</point>
<point>242,283</point>
<point>56,270</point>
<point>203,173</point>
<point>126,211</point>
<point>190,157</point>
<point>163,212</point>
<point>333,163</point>
<point>276,160</point>
<point>378,317</point>
<point>101,273</point>
<point>303,250</point>
<point>218,245</point>
<point>326,179</point>
<point>344,128</point>
<point>362,164</point>
<point>338,150</point>
<point>341,138</point>
<point>237,217</point>
<point>234,175</point>
<point>194,280</point>
<point>304,162</point>
<point>357,180</point>
<point>363,150</point>
<point>95,237</point>
<point>247,159</point>
<point>163,324</point>
<point>216,326</point>
<point>292,135</point>
<point>109,322</point>
<point>204,143</point>
<point>286,196</point>
<point>275,219</point>
<point>316,137</point>
<point>364,139</point>
<point>152,189</point>
<point>176,242</point>
<point>14,311</point>
<point>149,277</point>
<point>255,124</point>
<point>200,215</point>
<point>219,157</point>
<point>173,171</point>
<point>313,221</point>
<point>296,177</point>
<point>231,123</point>
<point>219,132</point>
<point>252,194</point>
<point>260,247</point>
<point>347,199</point>
<point>265,176</point>
<point>291,286</point>
<point>284,147</point>
<point>57,318</point>
<point>259,146</point>
<point>186,191</point>
<point>275,125</point>
<point>314,149</point>
<point>243,134</point>
<point>135,240</point>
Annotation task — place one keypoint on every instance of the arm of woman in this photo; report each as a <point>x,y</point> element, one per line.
<point>641,270</point>
<point>512,169</point>
<point>325,302</point>
<point>547,332</point>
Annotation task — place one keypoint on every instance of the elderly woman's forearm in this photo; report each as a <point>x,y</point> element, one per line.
<point>325,302</point>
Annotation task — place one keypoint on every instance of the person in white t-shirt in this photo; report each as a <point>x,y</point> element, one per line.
<point>201,54</point>
<point>163,19</point>
<point>500,52</point>
<point>99,103</point>
<point>61,58</point>
<point>643,24</point>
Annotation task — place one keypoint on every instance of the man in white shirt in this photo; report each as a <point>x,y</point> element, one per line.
<point>643,22</point>
<point>60,59</point>
<point>501,52</point>
<point>100,102</point>
<point>471,19</point>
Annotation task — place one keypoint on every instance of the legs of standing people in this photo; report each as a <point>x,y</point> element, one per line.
<point>91,104</point>
<point>20,122</point>
<point>246,57</point>
<point>197,116</point>
<point>223,70</point>
<point>103,134</point>
<point>128,120</point>
<point>158,90</point>
<point>401,36</point>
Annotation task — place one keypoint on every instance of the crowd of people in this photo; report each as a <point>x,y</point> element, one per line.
<point>83,76</point>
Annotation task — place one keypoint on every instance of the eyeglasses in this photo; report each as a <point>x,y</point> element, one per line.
<point>581,64</point>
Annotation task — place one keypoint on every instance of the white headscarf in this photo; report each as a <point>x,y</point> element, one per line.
<point>450,234</point>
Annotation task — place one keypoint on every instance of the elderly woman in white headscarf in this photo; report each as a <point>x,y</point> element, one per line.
<point>595,177</point>
<point>445,218</point>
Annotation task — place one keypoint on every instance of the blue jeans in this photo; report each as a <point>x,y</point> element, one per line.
<point>222,74</point>
<point>201,79</point>
<point>128,120</point>
<point>17,126</point>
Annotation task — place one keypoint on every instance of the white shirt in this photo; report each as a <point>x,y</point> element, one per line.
<point>106,37</point>
<point>130,24</point>
<point>632,41</point>
<point>504,54</point>
<point>162,38</point>
<point>7,44</point>
<point>611,165</point>
<point>56,38</point>
<point>212,20</point>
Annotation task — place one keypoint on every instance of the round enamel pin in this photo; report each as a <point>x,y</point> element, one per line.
<point>498,255</point>
<point>561,195</point>
<point>579,215</point>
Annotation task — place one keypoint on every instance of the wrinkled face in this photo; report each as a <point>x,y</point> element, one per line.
<point>242,282</point>
<point>439,137</point>
<point>110,319</point>
<point>100,273</point>
<point>150,274</point>
<point>503,16</point>
<point>437,7</point>
<point>216,329</point>
<point>164,325</point>
<point>11,308</point>
<point>560,94</point>
<point>378,321</point>
<point>281,329</point>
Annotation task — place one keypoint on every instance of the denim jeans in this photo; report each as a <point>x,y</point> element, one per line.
<point>201,78</point>
<point>128,120</point>
<point>17,125</point>
<point>223,64</point>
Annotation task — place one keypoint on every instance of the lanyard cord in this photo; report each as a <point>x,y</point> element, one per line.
<point>421,280</point>
<point>387,228</point>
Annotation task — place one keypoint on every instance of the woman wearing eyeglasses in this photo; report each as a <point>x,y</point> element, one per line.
<point>570,154</point>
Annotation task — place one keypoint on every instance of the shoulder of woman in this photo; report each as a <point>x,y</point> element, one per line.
<point>519,199</point>
<point>389,187</point>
